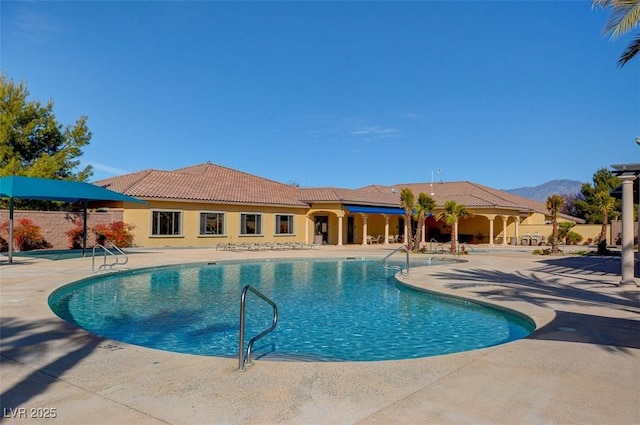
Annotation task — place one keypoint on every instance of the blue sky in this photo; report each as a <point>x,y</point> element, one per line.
<point>503,93</point>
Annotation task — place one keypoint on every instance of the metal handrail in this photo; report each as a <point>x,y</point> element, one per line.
<point>107,251</point>
<point>463,244</point>
<point>440,245</point>
<point>398,268</point>
<point>246,359</point>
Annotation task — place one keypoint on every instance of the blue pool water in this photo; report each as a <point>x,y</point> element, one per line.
<point>337,310</point>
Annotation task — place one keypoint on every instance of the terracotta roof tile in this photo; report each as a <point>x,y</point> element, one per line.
<point>213,183</point>
<point>207,183</point>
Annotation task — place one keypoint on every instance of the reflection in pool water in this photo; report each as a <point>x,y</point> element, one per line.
<point>329,310</point>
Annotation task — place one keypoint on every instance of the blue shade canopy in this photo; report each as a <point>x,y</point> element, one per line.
<point>20,187</point>
<point>374,210</point>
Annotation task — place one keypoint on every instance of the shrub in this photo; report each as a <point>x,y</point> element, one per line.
<point>573,238</point>
<point>27,236</point>
<point>75,236</point>
<point>118,233</point>
<point>4,235</point>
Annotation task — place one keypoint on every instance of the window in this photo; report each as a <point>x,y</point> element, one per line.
<point>250,224</point>
<point>211,223</point>
<point>284,224</point>
<point>166,223</point>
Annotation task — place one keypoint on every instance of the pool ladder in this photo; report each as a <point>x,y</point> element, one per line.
<point>395,267</point>
<point>114,256</point>
<point>245,359</point>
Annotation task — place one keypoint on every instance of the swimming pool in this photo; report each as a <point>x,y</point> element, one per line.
<point>329,310</point>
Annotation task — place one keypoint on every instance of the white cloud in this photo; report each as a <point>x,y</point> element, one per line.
<point>30,26</point>
<point>375,131</point>
<point>114,171</point>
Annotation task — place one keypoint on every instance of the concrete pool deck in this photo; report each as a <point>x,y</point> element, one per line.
<point>581,366</point>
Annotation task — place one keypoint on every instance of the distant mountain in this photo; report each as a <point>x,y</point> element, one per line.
<point>542,192</point>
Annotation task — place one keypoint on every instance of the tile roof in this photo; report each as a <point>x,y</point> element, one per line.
<point>350,196</point>
<point>207,183</point>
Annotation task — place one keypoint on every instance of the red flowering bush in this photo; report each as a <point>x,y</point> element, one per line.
<point>75,236</point>
<point>27,236</point>
<point>4,235</point>
<point>118,233</point>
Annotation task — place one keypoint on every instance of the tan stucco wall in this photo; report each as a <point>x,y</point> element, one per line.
<point>140,216</point>
<point>585,230</point>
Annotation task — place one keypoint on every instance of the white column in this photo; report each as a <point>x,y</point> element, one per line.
<point>364,229</point>
<point>406,232</point>
<point>517,222</point>
<point>627,271</point>
<point>455,235</point>
<point>339,230</point>
<point>491,232</point>
<point>306,229</point>
<point>386,229</point>
<point>504,231</point>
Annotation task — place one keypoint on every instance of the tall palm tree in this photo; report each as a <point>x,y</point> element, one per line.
<point>605,204</point>
<point>624,16</point>
<point>452,213</point>
<point>554,205</point>
<point>407,200</point>
<point>425,205</point>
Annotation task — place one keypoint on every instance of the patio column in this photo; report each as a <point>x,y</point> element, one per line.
<point>504,231</point>
<point>339,230</point>
<point>627,268</point>
<point>517,222</point>
<point>364,229</point>
<point>306,229</point>
<point>491,232</point>
<point>386,229</point>
<point>406,232</point>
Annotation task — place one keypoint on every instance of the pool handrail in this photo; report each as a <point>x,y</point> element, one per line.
<point>107,251</point>
<point>398,268</point>
<point>246,359</point>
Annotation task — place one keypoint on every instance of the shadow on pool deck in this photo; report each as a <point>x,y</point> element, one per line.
<point>610,333</point>
<point>563,284</point>
<point>22,341</point>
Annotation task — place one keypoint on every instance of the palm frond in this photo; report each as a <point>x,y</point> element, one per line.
<point>631,51</point>
<point>623,19</point>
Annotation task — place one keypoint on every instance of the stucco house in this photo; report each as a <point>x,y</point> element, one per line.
<point>208,204</point>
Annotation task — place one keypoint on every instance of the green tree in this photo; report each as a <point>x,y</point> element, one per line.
<point>407,200</point>
<point>422,208</point>
<point>624,16</point>
<point>452,214</point>
<point>564,228</point>
<point>33,143</point>
<point>606,207</point>
<point>554,205</point>
<point>590,205</point>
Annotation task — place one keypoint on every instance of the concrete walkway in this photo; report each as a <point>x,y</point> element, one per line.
<point>581,365</point>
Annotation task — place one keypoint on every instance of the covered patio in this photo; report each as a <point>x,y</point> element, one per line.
<point>34,188</point>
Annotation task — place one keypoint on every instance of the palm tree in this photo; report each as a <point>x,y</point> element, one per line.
<point>605,204</point>
<point>425,205</point>
<point>554,205</point>
<point>452,213</point>
<point>624,16</point>
<point>407,200</point>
